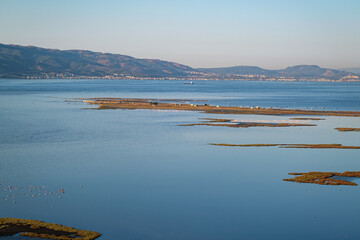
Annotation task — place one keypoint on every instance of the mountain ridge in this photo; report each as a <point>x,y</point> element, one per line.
<point>35,62</point>
<point>297,71</point>
<point>22,60</point>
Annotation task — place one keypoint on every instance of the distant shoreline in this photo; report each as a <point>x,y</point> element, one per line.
<point>36,62</point>
<point>185,79</point>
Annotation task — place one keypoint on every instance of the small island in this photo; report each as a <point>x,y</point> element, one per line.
<point>40,229</point>
<point>324,178</point>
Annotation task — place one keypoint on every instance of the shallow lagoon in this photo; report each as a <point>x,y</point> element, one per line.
<point>135,174</point>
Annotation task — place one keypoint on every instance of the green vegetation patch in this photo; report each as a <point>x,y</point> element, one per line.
<point>40,229</point>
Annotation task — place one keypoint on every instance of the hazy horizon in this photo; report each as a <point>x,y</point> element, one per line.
<point>201,34</point>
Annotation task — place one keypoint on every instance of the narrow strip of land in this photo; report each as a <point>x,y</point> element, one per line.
<point>348,129</point>
<point>324,178</point>
<point>218,122</point>
<point>159,104</point>
<point>312,119</point>
<point>248,124</point>
<point>319,146</point>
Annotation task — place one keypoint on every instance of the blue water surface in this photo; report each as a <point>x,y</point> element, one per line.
<point>136,174</point>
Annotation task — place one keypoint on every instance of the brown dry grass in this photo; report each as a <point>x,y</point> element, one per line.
<point>40,229</point>
<point>348,129</point>
<point>323,178</point>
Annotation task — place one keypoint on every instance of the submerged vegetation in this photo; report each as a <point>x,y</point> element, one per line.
<point>232,123</point>
<point>324,178</point>
<point>249,124</point>
<point>334,145</point>
<point>312,119</point>
<point>40,229</point>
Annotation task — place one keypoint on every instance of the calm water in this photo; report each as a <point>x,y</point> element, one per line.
<point>135,174</point>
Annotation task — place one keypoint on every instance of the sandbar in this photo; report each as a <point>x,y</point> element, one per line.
<point>159,104</point>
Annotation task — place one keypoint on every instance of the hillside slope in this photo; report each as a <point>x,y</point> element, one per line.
<point>20,60</point>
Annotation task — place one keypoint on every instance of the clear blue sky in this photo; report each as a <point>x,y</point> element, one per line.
<point>204,33</point>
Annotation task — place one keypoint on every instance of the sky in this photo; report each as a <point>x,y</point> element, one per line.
<point>272,34</point>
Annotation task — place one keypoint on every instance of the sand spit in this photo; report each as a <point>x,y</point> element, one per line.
<point>323,178</point>
<point>317,146</point>
<point>348,129</point>
<point>136,103</point>
<point>39,229</point>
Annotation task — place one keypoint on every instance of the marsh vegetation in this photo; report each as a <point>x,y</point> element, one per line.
<point>40,229</point>
<point>324,178</point>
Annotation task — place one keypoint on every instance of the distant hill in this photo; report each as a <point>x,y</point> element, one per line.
<point>299,71</point>
<point>34,62</point>
<point>20,60</point>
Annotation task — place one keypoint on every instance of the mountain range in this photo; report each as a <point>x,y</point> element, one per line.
<point>19,61</point>
<point>299,71</point>
<point>34,62</point>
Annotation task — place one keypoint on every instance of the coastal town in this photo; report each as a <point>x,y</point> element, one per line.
<point>193,76</point>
